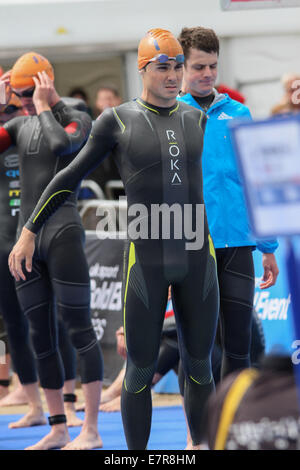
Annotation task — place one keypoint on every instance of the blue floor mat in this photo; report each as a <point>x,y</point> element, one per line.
<point>168,431</point>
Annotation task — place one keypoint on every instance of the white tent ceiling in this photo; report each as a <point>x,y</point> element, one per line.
<point>118,24</point>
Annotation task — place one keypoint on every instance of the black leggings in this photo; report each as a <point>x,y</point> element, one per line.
<point>146,292</point>
<point>236,284</point>
<point>15,322</point>
<point>14,329</point>
<point>60,281</point>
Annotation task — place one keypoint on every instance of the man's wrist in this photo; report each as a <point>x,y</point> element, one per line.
<point>41,106</point>
<point>28,234</point>
<point>56,98</point>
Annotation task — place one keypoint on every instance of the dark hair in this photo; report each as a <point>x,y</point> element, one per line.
<point>78,91</point>
<point>113,90</point>
<point>198,38</point>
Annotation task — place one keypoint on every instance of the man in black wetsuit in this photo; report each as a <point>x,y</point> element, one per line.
<point>47,141</point>
<point>14,320</point>
<point>156,143</point>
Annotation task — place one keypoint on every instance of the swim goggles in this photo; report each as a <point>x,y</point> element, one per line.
<point>25,94</point>
<point>10,109</point>
<point>163,58</point>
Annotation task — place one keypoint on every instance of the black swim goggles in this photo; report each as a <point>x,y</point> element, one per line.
<point>25,94</point>
<point>11,108</point>
<point>163,58</point>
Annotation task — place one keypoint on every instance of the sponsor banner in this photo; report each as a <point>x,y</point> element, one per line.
<point>256,4</point>
<point>273,305</point>
<point>105,260</point>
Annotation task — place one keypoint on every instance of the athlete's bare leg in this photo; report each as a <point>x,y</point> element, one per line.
<point>110,395</point>
<point>4,374</point>
<point>35,416</point>
<point>89,438</point>
<point>70,411</point>
<point>59,434</point>
<point>114,390</point>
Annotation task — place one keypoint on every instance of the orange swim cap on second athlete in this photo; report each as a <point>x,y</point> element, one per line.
<point>28,66</point>
<point>158,42</point>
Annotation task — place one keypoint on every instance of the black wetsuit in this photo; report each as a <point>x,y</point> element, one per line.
<point>59,278</point>
<point>158,153</point>
<point>14,321</point>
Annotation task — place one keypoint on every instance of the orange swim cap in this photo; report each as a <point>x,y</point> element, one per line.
<point>28,66</point>
<point>157,41</point>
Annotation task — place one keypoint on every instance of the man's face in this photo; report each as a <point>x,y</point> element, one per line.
<point>162,81</point>
<point>200,72</point>
<point>106,99</point>
<point>25,95</point>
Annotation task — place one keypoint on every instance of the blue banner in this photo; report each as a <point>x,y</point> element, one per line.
<point>274,305</point>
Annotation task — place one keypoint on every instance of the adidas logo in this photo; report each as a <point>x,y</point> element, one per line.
<point>224,116</point>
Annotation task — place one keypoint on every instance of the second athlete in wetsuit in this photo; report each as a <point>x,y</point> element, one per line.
<point>46,143</point>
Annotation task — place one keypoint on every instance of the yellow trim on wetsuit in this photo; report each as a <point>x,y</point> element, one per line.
<point>119,119</point>
<point>232,401</point>
<point>199,382</point>
<point>139,391</point>
<point>174,110</point>
<point>131,262</point>
<point>212,248</point>
<point>151,109</point>
<point>201,118</point>
<point>58,192</point>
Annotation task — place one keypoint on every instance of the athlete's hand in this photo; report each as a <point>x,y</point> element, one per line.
<point>5,90</point>
<point>45,95</point>
<point>23,250</point>
<point>121,348</point>
<point>271,270</point>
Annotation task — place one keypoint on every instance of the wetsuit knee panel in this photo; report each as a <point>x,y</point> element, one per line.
<point>137,378</point>
<point>199,370</point>
<point>82,338</point>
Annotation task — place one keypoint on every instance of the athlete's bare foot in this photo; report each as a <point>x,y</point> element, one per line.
<point>15,398</point>
<point>32,418</point>
<point>86,440</point>
<point>113,405</point>
<point>72,419</point>
<point>56,439</point>
<point>4,391</point>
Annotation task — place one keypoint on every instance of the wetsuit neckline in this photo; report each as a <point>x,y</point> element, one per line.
<point>157,109</point>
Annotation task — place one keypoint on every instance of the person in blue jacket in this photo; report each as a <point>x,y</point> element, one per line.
<point>224,198</point>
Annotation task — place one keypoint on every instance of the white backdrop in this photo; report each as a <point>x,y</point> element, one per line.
<point>257,46</point>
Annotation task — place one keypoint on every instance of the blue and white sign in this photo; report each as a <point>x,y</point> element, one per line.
<point>269,159</point>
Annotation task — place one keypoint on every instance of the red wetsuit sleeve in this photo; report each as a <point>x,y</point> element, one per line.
<point>5,140</point>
